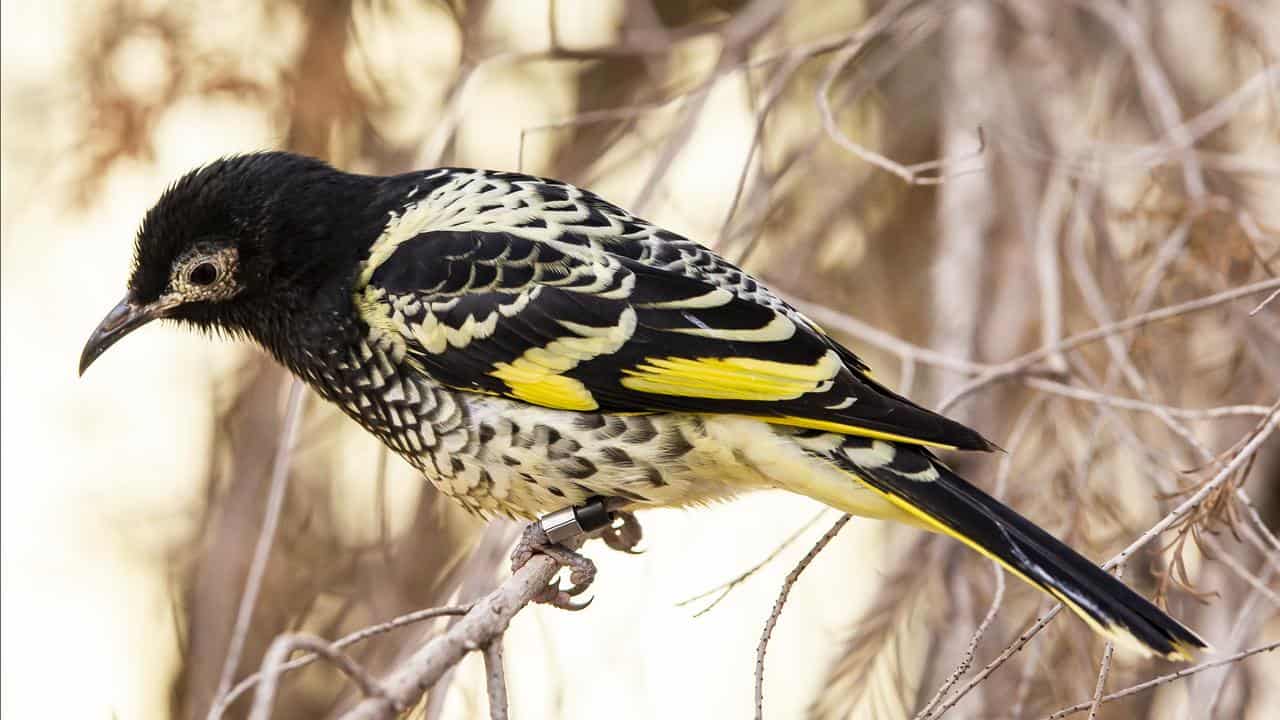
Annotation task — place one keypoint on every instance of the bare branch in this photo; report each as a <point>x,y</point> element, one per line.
<point>225,701</point>
<point>967,660</point>
<point>495,679</point>
<point>1187,134</point>
<point>1093,396</point>
<point>479,627</point>
<point>1154,682</point>
<point>1104,670</point>
<point>278,654</point>
<point>1103,673</point>
<point>1246,452</point>
<point>1024,362</point>
<point>842,323</point>
<point>1156,89</point>
<point>266,537</point>
<point>787,584</point>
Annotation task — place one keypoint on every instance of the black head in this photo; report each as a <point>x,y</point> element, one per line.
<point>241,243</point>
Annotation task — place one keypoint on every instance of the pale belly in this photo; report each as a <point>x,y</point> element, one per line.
<point>523,461</point>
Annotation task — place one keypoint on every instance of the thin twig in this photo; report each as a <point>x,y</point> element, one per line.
<point>726,587</point>
<point>1259,436</point>
<point>475,578</point>
<point>278,654</point>
<point>1103,673</point>
<point>1104,669</point>
<point>910,174</point>
<point>1156,89</point>
<point>266,538</point>
<point>1245,618</point>
<point>486,621</point>
<point>747,24</point>
<point>495,679</point>
<point>1023,362</point>
<point>1259,586</point>
<point>417,616</point>
<point>1264,303</point>
<point>967,660</point>
<point>1135,689</point>
<point>1093,396</point>
<point>1185,135</point>
<point>834,320</point>
<point>787,584</point>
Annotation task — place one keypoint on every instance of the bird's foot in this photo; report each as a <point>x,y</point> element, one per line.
<point>560,535</point>
<point>534,540</point>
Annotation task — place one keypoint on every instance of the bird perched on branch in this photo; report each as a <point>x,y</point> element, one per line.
<point>529,347</point>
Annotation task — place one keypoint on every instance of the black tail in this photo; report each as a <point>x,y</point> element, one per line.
<point>917,483</point>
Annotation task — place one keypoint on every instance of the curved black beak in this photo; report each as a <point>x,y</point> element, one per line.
<point>123,319</point>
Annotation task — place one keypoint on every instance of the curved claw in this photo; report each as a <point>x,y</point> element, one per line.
<point>572,606</point>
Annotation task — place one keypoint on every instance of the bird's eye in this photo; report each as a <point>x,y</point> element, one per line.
<point>203,274</point>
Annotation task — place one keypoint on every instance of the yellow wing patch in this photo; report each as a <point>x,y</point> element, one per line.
<point>547,389</point>
<point>538,376</point>
<point>731,378</point>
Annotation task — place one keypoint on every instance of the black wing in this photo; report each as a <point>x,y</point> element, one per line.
<point>603,325</point>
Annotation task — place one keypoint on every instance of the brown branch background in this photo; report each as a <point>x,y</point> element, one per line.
<point>962,191</point>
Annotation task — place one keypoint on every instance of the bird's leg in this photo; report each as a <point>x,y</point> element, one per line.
<point>559,535</point>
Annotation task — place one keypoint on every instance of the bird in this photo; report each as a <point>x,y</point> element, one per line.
<point>528,347</point>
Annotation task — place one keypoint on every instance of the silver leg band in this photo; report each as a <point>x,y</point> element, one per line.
<point>568,523</point>
<point>561,525</point>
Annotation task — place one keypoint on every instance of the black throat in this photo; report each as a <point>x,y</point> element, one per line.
<point>314,235</point>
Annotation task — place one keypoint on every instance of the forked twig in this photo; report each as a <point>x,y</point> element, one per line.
<point>1154,682</point>
<point>1259,436</point>
<point>487,620</point>
<point>417,616</point>
<point>278,654</point>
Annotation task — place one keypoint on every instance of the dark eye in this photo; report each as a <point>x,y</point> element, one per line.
<point>203,274</point>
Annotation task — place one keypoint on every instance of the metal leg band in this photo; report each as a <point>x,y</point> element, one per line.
<point>568,523</point>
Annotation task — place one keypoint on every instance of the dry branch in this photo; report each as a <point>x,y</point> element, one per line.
<point>266,538</point>
<point>247,684</point>
<point>484,624</point>
<point>1154,682</point>
<point>278,655</point>
<point>787,584</point>
<point>1258,437</point>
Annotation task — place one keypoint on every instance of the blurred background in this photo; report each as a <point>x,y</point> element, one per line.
<point>1083,162</point>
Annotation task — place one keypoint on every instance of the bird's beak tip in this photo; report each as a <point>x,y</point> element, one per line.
<point>123,319</point>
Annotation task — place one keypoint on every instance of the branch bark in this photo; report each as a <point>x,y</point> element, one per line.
<point>483,625</point>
